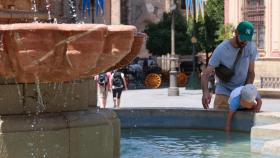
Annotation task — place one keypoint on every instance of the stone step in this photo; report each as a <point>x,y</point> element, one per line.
<point>266,118</point>
<point>271,148</point>
<point>261,137</point>
<point>269,92</point>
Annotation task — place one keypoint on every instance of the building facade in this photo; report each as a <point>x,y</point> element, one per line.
<point>264,14</point>
<point>61,11</point>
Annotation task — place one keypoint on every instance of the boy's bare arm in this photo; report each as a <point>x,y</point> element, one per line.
<point>258,106</point>
<point>228,121</point>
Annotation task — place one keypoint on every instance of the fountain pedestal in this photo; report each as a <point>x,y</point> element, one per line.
<point>80,134</point>
<point>47,93</point>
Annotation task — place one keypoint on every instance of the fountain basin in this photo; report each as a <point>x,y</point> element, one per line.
<point>63,52</point>
<point>263,127</point>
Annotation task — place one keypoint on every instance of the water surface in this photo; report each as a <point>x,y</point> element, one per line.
<point>184,143</point>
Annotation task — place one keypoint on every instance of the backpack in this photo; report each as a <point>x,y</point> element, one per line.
<point>103,79</point>
<point>117,80</point>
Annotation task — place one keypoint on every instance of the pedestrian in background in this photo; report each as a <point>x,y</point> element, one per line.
<point>103,87</point>
<point>117,83</point>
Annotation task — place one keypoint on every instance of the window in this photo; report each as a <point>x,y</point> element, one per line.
<point>253,11</point>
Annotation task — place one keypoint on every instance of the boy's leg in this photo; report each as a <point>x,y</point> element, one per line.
<point>221,102</point>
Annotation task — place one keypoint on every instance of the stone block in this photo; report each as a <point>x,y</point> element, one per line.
<point>271,148</point>
<point>95,141</point>
<point>78,134</point>
<point>262,134</point>
<point>117,135</point>
<point>25,123</point>
<point>266,131</point>
<point>94,132</point>
<point>35,144</point>
<point>266,118</point>
<point>56,97</point>
<point>92,98</point>
<point>11,99</point>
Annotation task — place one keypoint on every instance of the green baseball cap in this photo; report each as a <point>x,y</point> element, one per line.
<point>245,30</point>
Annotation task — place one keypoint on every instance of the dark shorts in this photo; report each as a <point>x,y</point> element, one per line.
<point>117,93</point>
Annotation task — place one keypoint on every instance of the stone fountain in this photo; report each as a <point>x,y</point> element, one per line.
<point>48,97</point>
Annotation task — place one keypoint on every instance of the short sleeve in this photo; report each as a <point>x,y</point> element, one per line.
<point>215,59</point>
<point>254,54</point>
<point>234,103</point>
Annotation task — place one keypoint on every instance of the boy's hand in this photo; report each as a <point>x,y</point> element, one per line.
<point>258,106</point>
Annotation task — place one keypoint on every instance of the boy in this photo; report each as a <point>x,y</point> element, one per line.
<point>246,97</point>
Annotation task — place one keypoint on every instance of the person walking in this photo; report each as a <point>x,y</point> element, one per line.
<point>103,87</point>
<point>233,62</point>
<point>117,83</point>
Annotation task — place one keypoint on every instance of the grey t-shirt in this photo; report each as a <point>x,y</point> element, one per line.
<point>226,54</point>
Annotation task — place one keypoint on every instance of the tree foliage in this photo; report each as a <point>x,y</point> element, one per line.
<point>159,35</point>
<point>214,20</point>
<point>209,31</point>
<point>225,32</point>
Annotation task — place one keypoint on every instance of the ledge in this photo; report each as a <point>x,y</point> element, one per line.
<point>269,59</point>
<point>269,92</point>
<point>183,118</point>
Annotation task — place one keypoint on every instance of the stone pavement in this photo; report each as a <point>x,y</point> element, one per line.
<point>187,99</point>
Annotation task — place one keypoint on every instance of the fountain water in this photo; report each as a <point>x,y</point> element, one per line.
<point>34,10</point>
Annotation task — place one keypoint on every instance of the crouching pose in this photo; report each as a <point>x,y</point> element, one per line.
<point>243,97</point>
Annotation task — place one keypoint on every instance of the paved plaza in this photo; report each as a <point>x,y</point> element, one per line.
<point>187,99</point>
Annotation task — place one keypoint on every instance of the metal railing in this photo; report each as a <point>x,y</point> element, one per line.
<point>270,82</point>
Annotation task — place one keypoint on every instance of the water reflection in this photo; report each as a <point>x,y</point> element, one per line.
<point>184,143</point>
